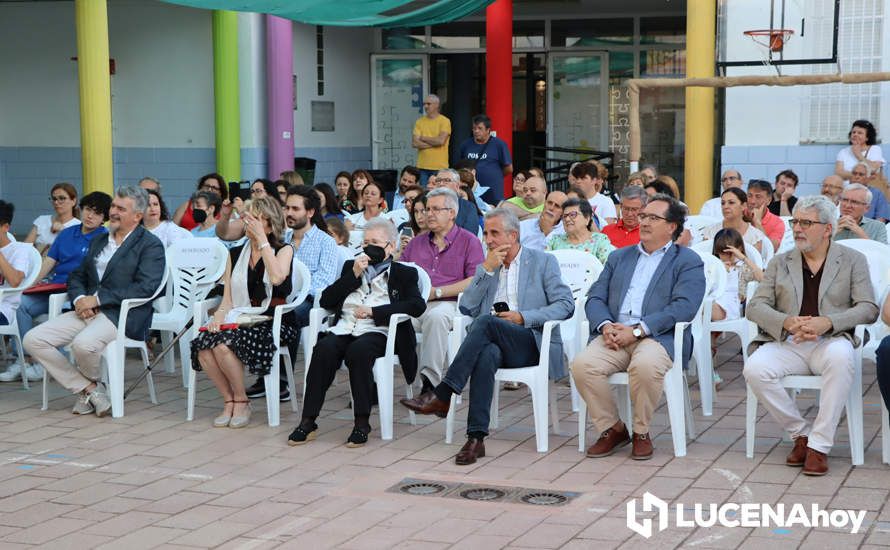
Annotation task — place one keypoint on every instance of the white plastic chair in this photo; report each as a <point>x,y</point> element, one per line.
<point>195,267</point>
<point>300,279</point>
<point>696,223</point>
<point>355,239</point>
<point>702,326</point>
<point>383,368</point>
<point>114,354</point>
<point>35,260</point>
<point>751,251</point>
<point>787,238</point>
<point>878,256</point>
<point>767,251</point>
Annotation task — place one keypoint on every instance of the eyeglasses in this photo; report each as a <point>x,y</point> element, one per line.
<point>59,198</point>
<point>209,186</point>
<point>853,202</point>
<point>257,191</point>
<point>651,217</point>
<point>804,224</point>
<point>571,215</point>
<point>436,210</point>
<point>728,178</point>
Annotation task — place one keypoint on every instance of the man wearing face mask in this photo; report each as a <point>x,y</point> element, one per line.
<point>370,290</point>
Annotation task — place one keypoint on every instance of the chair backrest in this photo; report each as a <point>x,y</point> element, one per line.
<point>301,282</point>
<point>696,223</point>
<point>194,266</point>
<point>767,251</point>
<point>423,280</point>
<point>355,239</point>
<point>787,238</point>
<point>35,262</point>
<point>715,271</point>
<point>579,269</point>
<point>878,256</point>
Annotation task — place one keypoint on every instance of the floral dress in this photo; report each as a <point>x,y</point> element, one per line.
<point>598,245</point>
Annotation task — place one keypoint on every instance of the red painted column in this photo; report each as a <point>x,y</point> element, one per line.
<point>499,74</point>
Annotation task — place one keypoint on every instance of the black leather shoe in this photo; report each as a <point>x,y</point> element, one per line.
<point>427,403</point>
<point>472,449</point>
<point>358,437</point>
<point>302,434</point>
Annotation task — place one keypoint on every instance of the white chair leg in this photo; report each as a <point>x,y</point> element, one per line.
<point>582,425</point>
<point>885,434</point>
<point>625,407</point>
<point>409,393</point>
<point>687,400</point>
<point>191,389</point>
<point>143,350</point>
<point>273,390</point>
<point>170,358</point>
<point>449,421</point>
<point>291,384</point>
<point>575,395</point>
<point>383,375</point>
<point>673,391</point>
<point>185,356</point>
<point>554,408</point>
<point>21,358</point>
<point>855,420</point>
<point>750,422</point>
<point>705,366</point>
<point>539,407</point>
<point>495,405</point>
<point>46,394</point>
<point>114,367</point>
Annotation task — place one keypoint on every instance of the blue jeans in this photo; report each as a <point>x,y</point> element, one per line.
<point>491,343</point>
<point>31,307</point>
<point>882,362</point>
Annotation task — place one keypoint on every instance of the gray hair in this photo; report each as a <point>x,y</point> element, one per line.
<point>153,180</point>
<point>138,194</point>
<point>385,226</point>
<point>859,187</point>
<point>828,212</point>
<point>434,97</point>
<point>631,192</point>
<point>451,199</point>
<point>511,222</point>
<point>868,170</point>
<point>452,174</point>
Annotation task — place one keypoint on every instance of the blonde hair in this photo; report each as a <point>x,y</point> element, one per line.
<point>670,182</point>
<point>269,208</point>
<point>292,178</point>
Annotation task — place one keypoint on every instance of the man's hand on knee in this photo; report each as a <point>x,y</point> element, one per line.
<point>511,316</point>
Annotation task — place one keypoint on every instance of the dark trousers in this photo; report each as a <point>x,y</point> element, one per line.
<point>882,360</point>
<point>359,353</point>
<point>301,320</point>
<point>491,343</point>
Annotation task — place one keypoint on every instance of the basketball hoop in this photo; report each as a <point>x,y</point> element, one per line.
<point>772,39</point>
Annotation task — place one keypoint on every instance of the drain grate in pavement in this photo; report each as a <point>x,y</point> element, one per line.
<point>483,493</point>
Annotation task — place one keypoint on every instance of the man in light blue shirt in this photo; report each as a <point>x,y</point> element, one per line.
<point>632,308</point>
<point>409,176</point>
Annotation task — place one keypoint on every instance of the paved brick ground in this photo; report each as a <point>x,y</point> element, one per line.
<point>151,479</point>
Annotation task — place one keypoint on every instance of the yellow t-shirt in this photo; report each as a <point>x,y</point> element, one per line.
<point>433,158</point>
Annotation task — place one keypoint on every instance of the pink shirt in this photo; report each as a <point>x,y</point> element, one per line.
<point>456,262</point>
<point>773,226</point>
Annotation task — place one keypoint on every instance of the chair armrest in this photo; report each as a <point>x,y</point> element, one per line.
<point>545,342</point>
<point>56,301</point>
<point>280,310</point>
<point>201,310</point>
<point>394,321</point>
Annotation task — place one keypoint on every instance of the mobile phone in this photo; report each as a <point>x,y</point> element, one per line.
<point>407,232</point>
<point>240,189</point>
<point>501,307</point>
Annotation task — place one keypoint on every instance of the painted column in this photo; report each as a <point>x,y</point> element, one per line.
<point>700,46</point>
<point>280,94</point>
<point>94,82</point>
<point>499,74</point>
<point>225,94</point>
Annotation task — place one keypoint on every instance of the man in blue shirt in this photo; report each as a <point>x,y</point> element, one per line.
<point>65,254</point>
<point>492,157</point>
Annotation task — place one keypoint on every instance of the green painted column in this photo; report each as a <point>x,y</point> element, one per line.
<point>225,94</point>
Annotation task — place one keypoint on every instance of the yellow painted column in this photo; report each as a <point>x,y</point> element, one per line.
<point>91,19</point>
<point>701,37</point>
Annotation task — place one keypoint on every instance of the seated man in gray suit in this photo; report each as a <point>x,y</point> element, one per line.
<point>641,294</point>
<point>806,308</point>
<point>513,293</point>
<point>127,262</point>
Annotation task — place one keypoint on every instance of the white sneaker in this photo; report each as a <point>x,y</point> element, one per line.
<point>13,373</point>
<point>99,399</point>
<point>34,372</point>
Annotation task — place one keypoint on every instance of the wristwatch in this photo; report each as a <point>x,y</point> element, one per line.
<point>638,332</point>
<point>438,293</point>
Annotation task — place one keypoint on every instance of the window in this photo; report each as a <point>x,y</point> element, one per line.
<point>584,33</point>
<point>319,59</point>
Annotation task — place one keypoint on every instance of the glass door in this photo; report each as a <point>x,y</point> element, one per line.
<point>399,84</point>
<point>578,106</point>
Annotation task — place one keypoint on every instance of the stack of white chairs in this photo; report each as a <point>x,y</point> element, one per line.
<point>11,329</point>
<point>301,282</point>
<point>383,369</point>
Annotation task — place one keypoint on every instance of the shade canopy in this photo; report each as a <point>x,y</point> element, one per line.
<point>351,13</point>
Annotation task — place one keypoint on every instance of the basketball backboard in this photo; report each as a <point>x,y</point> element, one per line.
<point>811,37</point>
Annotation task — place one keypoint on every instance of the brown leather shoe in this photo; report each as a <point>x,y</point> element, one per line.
<point>642,447</point>
<point>427,403</point>
<point>472,449</point>
<point>798,454</point>
<point>609,442</point>
<point>816,463</point>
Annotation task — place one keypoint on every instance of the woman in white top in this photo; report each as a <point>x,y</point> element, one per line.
<point>863,148</point>
<point>373,201</point>
<point>157,220</point>
<point>732,204</point>
<point>43,232</point>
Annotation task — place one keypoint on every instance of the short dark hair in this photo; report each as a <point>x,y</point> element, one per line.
<point>725,238</point>
<point>482,119</point>
<point>7,209</point>
<point>464,164</point>
<point>330,199</point>
<point>578,191</point>
<point>661,188</point>
<point>100,202</point>
<point>871,135</point>
<point>583,169</point>
<point>310,202</point>
<point>760,185</point>
<point>788,174</point>
<point>165,214</point>
<point>676,212</point>
<point>583,206</point>
<point>739,194</point>
<point>270,188</point>
<point>212,199</point>
<point>413,170</point>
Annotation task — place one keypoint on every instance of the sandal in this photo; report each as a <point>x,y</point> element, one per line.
<point>358,437</point>
<point>243,420</point>
<point>222,420</point>
<point>302,434</point>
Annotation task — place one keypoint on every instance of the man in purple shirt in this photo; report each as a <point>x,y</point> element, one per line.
<point>449,254</point>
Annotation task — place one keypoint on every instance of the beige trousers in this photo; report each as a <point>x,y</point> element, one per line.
<point>646,363</point>
<point>434,325</point>
<point>87,338</point>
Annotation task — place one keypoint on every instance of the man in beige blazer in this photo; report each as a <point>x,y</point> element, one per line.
<point>806,308</point>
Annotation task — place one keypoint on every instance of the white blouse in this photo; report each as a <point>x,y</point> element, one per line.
<point>44,225</point>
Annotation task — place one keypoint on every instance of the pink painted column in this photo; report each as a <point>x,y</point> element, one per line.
<point>280,94</point>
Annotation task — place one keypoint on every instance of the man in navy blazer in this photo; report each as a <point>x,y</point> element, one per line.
<point>127,262</point>
<point>528,282</point>
<point>641,294</point>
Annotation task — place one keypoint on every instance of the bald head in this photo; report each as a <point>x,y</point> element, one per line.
<point>832,187</point>
<point>533,192</point>
<point>731,178</point>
